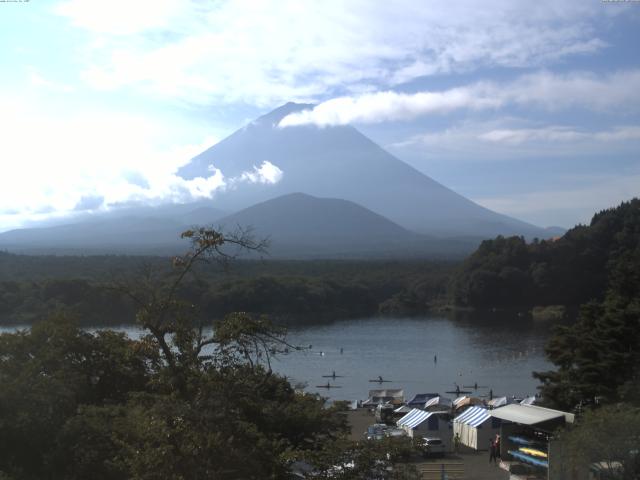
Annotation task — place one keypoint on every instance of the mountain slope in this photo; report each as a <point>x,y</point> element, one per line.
<point>143,230</point>
<point>300,225</point>
<point>340,162</point>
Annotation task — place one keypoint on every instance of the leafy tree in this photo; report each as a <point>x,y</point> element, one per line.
<point>609,436</point>
<point>577,268</point>
<point>179,403</point>
<point>598,358</point>
<point>385,459</point>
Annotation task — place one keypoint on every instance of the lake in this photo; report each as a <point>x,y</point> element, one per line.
<point>498,352</point>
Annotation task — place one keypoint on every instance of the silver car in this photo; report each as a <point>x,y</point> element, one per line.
<point>432,447</point>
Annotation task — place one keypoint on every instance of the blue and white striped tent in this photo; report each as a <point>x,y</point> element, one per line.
<point>476,427</point>
<point>473,416</point>
<point>413,419</point>
<point>418,423</point>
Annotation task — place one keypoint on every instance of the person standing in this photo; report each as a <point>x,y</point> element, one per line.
<point>497,442</point>
<point>456,443</point>
<point>492,451</point>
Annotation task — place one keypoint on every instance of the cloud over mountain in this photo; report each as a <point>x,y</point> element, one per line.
<point>543,90</point>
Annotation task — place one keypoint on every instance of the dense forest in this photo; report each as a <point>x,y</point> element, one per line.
<point>571,270</point>
<point>597,358</point>
<point>93,289</point>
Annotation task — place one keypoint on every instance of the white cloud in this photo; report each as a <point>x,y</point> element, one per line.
<point>560,134</point>
<point>267,173</point>
<point>510,138</point>
<point>388,106</point>
<point>51,163</point>
<point>37,80</point>
<point>548,91</point>
<point>119,17</point>
<point>264,52</point>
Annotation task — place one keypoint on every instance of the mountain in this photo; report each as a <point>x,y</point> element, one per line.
<point>300,225</point>
<point>140,230</point>
<point>336,193</point>
<point>340,162</point>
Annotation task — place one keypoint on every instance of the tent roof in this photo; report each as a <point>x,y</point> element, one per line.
<point>438,401</point>
<point>414,418</point>
<point>498,402</point>
<point>387,392</point>
<point>465,401</point>
<point>422,397</point>
<point>402,409</point>
<point>473,416</point>
<point>529,414</point>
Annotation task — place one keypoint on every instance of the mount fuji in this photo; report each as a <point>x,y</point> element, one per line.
<point>316,192</point>
<point>340,162</point>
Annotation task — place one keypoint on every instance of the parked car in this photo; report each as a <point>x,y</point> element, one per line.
<point>432,447</point>
<point>376,431</point>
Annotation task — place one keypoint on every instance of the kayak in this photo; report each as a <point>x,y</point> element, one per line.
<point>533,451</point>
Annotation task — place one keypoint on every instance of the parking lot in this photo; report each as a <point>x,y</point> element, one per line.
<point>467,464</point>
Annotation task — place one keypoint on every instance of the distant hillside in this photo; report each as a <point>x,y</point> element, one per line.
<point>578,267</point>
<point>140,230</point>
<point>302,226</point>
<point>340,162</point>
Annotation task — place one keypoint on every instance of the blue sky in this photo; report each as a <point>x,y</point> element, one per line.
<point>529,108</point>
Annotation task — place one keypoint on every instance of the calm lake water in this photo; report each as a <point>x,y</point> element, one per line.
<point>497,353</point>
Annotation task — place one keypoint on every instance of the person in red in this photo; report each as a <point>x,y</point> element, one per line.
<point>497,442</point>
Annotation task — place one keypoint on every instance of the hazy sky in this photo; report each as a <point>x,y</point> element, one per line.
<point>529,108</point>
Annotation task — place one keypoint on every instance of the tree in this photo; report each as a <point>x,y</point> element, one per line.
<point>608,436</point>
<point>384,459</point>
<point>178,403</point>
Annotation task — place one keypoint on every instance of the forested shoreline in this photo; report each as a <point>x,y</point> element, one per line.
<point>93,289</point>
<point>504,273</point>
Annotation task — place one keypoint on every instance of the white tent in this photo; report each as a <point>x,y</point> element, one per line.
<point>418,423</point>
<point>463,402</point>
<point>394,396</point>
<point>498,402</point>
<point>438,404</point>
<point>476,427</point>
<point>529,400</point>
<point>403,409</point>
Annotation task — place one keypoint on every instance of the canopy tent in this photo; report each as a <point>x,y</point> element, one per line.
<point>418,423</point>
<point>394,396</point>
<point>420,399</point>
<point>528,400</point>
<point>465,401</point>
<point>438,403</point>
<point>526,431</point>
<point>414,418</point>
<point>498,402</point>
<point>476,427</point>
<point>532,415</point>
<point>403,409</point>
